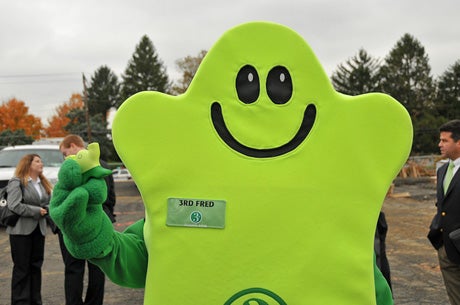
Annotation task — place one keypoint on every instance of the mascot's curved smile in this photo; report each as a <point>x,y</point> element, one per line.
<point>279,89</point>
<point>219,124</point>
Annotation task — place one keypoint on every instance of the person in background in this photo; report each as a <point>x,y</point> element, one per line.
<point>28,196</point>
<point>447,218</point>
<point>75,268</point>
<point>380,247</point>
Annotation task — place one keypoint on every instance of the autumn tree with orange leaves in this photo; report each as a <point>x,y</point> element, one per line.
<point>58,121</point>
<point>15,116</point>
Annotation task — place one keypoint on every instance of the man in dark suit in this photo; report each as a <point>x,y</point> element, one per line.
<point>447,218</point>
<point>75,268</point>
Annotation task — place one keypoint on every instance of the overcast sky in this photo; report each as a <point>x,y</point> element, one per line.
<point>46,45</point>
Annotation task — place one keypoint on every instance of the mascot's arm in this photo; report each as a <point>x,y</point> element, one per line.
<point>382,289</point>
<point>125,262</point>
<point>76,208</point>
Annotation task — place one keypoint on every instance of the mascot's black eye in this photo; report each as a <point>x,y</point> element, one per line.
<point>247,84</point>
<point>279,85</point>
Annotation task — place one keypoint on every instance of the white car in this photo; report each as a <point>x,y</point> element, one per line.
<point>51,156</point>
<point>121,174</point>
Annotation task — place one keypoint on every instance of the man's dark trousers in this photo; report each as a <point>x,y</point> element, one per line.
<point>73,283</point>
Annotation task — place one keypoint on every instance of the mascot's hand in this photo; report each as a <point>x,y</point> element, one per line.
<point>76,208</point>
<point>70,177</point>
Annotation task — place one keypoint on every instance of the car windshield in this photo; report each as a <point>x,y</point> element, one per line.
<point>50,157</point>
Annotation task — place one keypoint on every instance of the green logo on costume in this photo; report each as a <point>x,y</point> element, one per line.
<point>255,296</point>
<point>195,217</point>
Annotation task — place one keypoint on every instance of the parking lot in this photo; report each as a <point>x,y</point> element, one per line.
<point>129,208</point>
<point>416,277</point>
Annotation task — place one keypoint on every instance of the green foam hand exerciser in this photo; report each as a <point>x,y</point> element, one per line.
<point>261,183</point>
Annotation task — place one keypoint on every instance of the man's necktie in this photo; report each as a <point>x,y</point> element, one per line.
<point>449,175</point>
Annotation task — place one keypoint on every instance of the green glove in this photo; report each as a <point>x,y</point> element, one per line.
<point>76,208</point>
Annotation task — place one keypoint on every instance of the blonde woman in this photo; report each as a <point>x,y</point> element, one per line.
<point>28,196</point>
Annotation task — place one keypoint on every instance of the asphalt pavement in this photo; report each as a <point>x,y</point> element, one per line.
<point>416,278</point>
<point>129,208</point>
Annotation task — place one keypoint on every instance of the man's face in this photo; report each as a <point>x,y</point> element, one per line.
<point>449,147</point>
<point>71,150</point>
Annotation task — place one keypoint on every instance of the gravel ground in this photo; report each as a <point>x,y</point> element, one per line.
<point>416,278</point>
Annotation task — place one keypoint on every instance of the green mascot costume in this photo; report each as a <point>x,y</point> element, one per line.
<point>262,185</point>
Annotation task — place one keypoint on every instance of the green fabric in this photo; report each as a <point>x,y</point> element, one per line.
<point>76,208</point>
<point>87,158</point>
<point>300,218</point>
<point>125,263</point>
<point>383,294</point>
<point>448,177</point>
<point>302,169</point>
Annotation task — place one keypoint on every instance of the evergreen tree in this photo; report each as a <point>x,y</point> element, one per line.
<point>103,92</point>
<point>16,137</point>
<point>357,76</point>
<point>448,95</point>
<point>145,71</point>
<point>405,75</point>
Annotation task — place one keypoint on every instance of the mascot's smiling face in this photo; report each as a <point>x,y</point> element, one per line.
<point>277,160</point>
<point>267,106</point>
<point>279,90</point>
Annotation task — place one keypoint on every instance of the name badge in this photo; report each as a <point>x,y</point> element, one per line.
<point>200,213</point>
